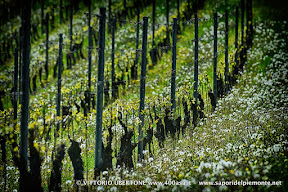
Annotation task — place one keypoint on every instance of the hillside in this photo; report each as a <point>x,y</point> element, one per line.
<point>177,108</point>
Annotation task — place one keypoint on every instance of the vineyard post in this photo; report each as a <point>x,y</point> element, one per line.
<point>195,93</point>
<point>247,23</point>
<point>112,58</point>
<point>178,10</point>
<point>100,85</point>
<point>42,16</point>
<point>59,80</point>
<point>125,4</point>
<point>173,72</point>
<point>167,23</point>
<point>90,47</point>
<point>71,37</point>
<point>236,36</point>
<point>249,30</point>
<point>242,34</point>
<point>109,14</point>
<point>89,13</point>
<point>195,6</point>
<point>153,32</point>
<point>61,11</point>
<point>47,46</point>
<point>215,61</point>
<point>52,19</point>
<point>137,43</point>
<point>25,91</point>
<point>21,62</point>
<point>15,91</point>
<point>251,24</point>
<point>142,87</point>
<point>226,51</point>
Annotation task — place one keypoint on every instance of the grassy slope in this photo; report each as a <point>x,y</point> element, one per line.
<point>186,163</point>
